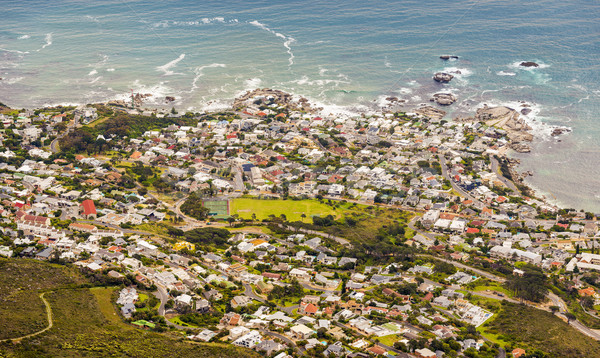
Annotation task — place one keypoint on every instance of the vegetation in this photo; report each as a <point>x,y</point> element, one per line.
<point>530,328</point>
<point>208,237</point>
<point>22,311</point>
<point>118,124</point>
<point>84,321</point>
<point>193,207</point>
<point>530,286</point>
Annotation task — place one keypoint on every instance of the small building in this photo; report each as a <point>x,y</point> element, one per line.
<point>88,209</point>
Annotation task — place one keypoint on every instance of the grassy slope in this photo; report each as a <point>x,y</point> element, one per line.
<point>21,282</point>
<point>528,327</point>
<point>85,324</point>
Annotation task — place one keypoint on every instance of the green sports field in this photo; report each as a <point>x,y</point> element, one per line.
<point>292,209</point>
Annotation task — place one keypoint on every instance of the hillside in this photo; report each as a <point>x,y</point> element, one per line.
<point>527,327</point>
<point>84,320</point>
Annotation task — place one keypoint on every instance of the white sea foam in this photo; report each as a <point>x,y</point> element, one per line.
<point>214,19</point>
<point>92,18</point>
<point>199,71</point>
<point>458,72</point>
<point>252,83</point>
<point>110,70</point>
<point>158,91</point>
<point>48,39</point>
<point>166,68</point>
<point>503,73</point>
<point>12,81</point>
<point>96,79</point>
<point>14,51</point>
<point>305,80</point>
<point>287,40</point>
<point>92,72</point>
<point>24,37</point>
<point>322,71</point>
<point>163,24</point>
<point>215,106</point>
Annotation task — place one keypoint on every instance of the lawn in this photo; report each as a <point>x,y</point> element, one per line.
<point>292,209</point>
<point>178,321</point>
<point>496,288</point>
<point>389,340</point>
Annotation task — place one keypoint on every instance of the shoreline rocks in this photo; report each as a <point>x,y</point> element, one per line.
<point>444,99</point>
<point>432,113</point>
<point>443,77</point>
<point>509,120</point>
<point>267,96</point>
<point>449,57</point>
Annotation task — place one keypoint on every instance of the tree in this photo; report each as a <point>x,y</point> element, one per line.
<point>554,309</point>
<point>570,317</point>
<point>587,302</point>
<point>529,286</point>
<point>194,207</point>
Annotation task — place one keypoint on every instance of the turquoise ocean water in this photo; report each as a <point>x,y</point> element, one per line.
<point>347,56</point>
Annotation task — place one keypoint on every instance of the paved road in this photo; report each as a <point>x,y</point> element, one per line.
<point>50,323</point>
<point>320,289</point>
<point>466,267</point>
<point>282,337</point>
<point>399,353</point>
<point>163,295</point>
<point>411,225</point>
<point>340,240</point>
<point>478,204</point>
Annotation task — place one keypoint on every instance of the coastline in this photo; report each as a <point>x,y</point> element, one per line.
<point>515,123</point>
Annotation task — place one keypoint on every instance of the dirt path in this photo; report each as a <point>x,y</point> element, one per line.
<point>50,323</point>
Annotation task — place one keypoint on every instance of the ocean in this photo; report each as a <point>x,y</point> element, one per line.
<point>345,56</point>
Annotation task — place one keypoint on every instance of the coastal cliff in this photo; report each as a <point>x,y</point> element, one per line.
<point>509,120</point>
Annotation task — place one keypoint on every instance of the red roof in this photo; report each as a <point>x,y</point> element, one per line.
<point>310,308</point>
<point>377,350</point>
<point>88,207</point>
<point>472,230</point>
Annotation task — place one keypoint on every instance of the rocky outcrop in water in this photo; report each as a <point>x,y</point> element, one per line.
<point>169,99</point>
<point>442,77</point>
<point>529,64</point>
<point>559,131</point>
<point>449,57</point>
<point>444,99</point>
